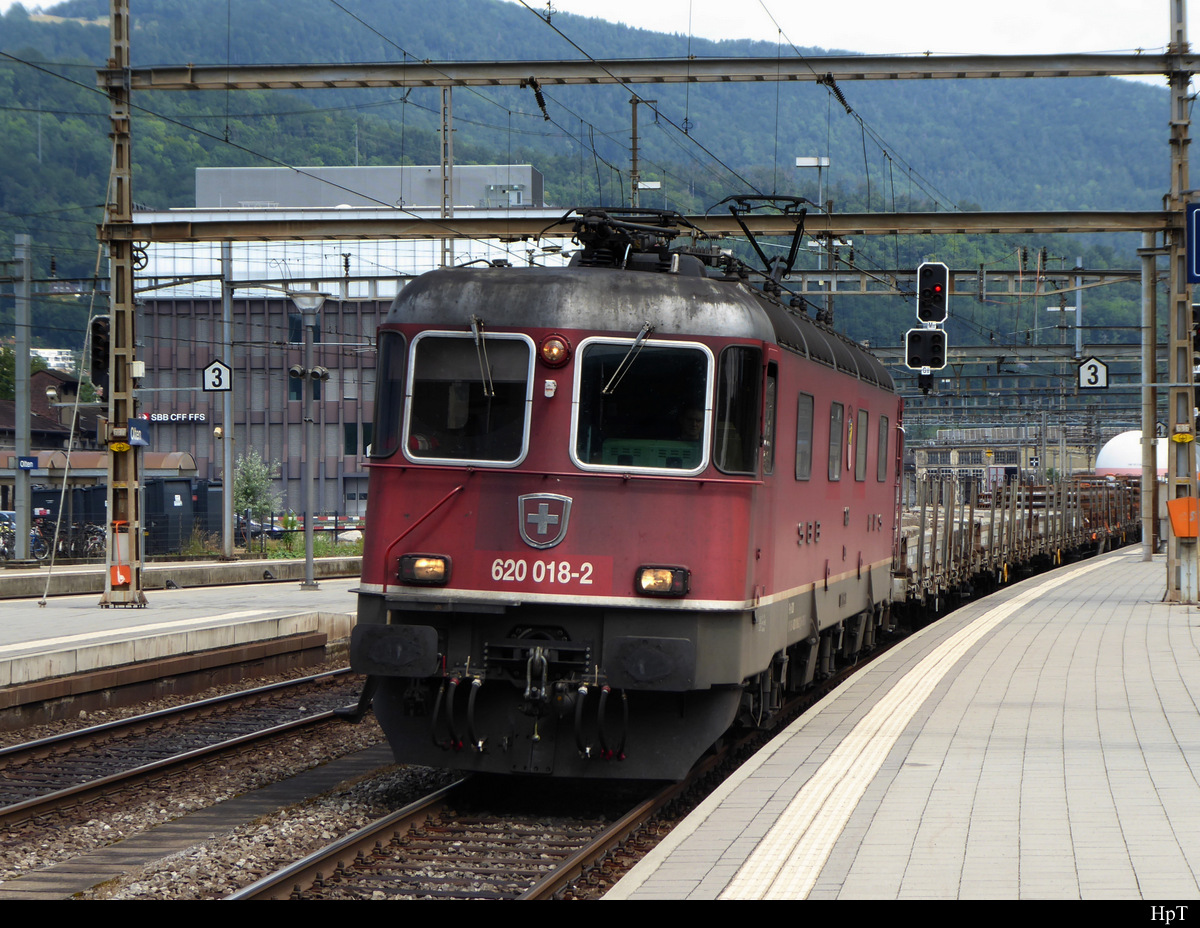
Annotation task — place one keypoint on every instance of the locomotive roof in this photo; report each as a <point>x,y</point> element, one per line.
<point>686,304</point>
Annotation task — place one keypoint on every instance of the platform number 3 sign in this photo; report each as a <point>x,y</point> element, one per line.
<point>217,378</point>
<point>1093,374</point>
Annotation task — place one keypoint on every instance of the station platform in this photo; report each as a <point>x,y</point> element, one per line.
<point>67,644</point>
<point>1039,743</point>
<point>33,581</point>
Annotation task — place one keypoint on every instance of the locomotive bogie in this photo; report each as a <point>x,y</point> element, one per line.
<point>588,734</point>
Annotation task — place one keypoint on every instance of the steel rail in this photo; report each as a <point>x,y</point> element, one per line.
<point>305,872</point>
<point>281,884</point>
<point>579,863</point>
<point>83,792</point>
<point>16,752</point>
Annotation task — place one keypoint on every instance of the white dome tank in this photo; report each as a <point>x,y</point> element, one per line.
<point>1121,456</point>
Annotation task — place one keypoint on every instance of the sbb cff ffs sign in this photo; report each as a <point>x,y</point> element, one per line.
<point>933,291</point>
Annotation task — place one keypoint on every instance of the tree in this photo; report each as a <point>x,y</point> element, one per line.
<point>254,485</point>
<point>8,364</point>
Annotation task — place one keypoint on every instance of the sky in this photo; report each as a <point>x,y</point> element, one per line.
<point>882,27</point>
<point>895,27</point>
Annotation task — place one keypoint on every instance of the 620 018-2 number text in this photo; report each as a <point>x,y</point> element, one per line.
<point>518,570</point>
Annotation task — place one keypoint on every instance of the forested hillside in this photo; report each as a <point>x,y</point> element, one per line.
<point>1048,144</point>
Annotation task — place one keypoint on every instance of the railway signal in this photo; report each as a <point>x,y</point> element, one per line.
<point>933,291</point>
<point>100,353</point>
<point>925,349</point>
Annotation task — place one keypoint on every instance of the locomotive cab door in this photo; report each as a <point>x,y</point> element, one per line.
<point>769,408</point>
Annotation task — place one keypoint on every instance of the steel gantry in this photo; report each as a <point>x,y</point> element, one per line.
<point>822,69</point>
<point>119,79</point>
<point>202,225</point>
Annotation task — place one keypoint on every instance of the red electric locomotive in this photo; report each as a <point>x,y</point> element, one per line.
<point>614,506</point>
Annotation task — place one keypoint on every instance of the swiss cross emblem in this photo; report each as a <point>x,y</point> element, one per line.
<point>542,519</point>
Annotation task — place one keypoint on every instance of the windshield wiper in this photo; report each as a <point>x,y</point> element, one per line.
<point>485,371</point>
<point>627,361</point>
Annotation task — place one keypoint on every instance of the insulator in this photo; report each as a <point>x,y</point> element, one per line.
<point>541,100</point>
<point>829,82</point>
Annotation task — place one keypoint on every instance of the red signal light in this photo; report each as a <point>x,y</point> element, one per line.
<point>933,284</point>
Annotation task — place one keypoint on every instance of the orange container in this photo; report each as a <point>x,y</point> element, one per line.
<point>1183,512</point>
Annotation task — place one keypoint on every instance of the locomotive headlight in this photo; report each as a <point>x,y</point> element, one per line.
<point>662,581</point>
<point>431,569</point>
<point>554,350</point>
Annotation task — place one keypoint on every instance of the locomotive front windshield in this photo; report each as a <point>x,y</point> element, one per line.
<point>469,400</point>
<point>642,406</point>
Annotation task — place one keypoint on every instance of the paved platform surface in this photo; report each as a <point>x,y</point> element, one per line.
<point>23,580</point>
<point>73,634</point>
<point>1040,743</point>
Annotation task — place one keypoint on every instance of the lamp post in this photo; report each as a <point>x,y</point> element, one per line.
<point>309,303</point>
<point>22,291</point>
<point>227,403</point>
<point>820,162</point>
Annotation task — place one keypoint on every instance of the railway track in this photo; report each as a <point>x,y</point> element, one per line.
<point>74,768</point>
<point>446,847</point>
<point>485,837</point>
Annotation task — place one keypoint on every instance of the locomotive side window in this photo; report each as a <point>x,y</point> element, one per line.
<point>735,441</point>
<point>389,395</point>
<point>837,414</point>
<point>881,467</point>
<point>804,434</point>
<point>860,449</point>
<point>469,401</point>
<point>641,406</point>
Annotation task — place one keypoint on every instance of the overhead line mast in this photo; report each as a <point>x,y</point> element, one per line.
<point>1181,461</point>
<point>123,556</point>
